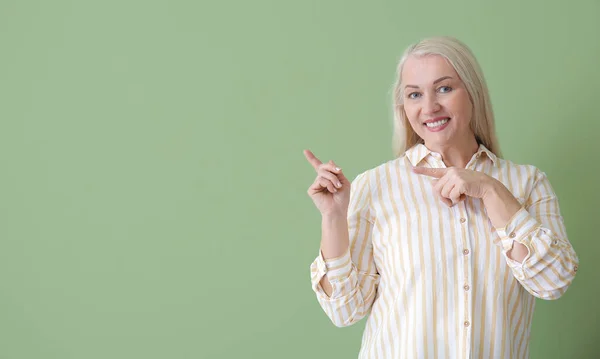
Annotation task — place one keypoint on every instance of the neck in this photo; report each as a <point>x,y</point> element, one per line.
<point>458,153</point>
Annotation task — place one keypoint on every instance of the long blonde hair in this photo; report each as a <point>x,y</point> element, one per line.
<point>462,59</point>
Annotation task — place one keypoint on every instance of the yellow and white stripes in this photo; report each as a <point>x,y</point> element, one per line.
<point>435,282</point>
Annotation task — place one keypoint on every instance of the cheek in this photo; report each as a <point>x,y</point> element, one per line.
<point>413,119</point>
<point>461,107</point>
<point>410,112</point>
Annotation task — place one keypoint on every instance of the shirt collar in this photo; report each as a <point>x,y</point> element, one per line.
<point>419,151</point>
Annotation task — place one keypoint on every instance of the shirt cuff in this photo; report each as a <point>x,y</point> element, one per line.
<point>338,272</point>
<point>517,229</point>
<point>338,268</point>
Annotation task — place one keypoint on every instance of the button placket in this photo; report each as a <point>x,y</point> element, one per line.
<point>463,221</point>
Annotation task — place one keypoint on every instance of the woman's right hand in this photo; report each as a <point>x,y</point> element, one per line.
<point>331,189</point>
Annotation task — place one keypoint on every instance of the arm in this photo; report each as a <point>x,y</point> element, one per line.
<point>533,239</point>
<point>334,245</point>
<point>345,264</point>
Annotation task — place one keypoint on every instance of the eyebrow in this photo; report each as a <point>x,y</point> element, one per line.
<point>434,82</point>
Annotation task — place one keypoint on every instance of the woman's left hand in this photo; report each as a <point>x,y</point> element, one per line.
<point>454,184</point>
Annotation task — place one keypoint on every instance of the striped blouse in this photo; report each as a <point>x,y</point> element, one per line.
<point>436,280</point>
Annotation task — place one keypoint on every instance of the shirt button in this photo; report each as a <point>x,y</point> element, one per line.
<point>576,268</point>
<point>467,323</point>
<point>465,251</point>
<point>462,220</point>
<point>466,287</point>
<point>512,235</point>
<point>555,242</point>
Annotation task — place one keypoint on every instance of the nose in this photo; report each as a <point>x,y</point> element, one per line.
<point>430,105</point>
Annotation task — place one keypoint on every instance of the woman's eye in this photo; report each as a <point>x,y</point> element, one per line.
<point>445,89</point>
<point>413,95</point>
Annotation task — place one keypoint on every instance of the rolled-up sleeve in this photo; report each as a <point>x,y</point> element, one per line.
<point>353,275</point>
<point>551,263</point>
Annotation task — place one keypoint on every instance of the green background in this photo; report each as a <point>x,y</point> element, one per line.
<point>154,200</point>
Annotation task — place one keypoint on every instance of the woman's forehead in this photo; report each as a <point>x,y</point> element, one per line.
<point>424,70</point>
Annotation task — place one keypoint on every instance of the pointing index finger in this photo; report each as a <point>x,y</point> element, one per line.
<point>312,159</point>
<point>433,172</point>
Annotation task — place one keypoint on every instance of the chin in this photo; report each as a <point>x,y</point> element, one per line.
<point>438,141</point>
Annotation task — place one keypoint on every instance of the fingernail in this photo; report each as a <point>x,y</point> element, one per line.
<point>337,169</point>
<point>339,184</point>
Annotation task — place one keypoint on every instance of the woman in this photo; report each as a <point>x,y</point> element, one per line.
<point>448,245</point>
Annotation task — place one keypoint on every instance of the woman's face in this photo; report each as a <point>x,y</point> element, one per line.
<point>436,101</point>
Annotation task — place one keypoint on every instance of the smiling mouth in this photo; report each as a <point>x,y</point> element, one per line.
<point>437,123</point>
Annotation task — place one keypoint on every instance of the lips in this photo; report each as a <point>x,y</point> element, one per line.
<point>436,119</point>
<point>439,125</point>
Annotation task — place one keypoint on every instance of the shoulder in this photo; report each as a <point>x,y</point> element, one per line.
<point>519,171</point>
<point>373,177</point>
<point>523,180</point>
<point>372,173</point>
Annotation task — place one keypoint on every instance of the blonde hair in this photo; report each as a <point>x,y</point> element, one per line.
<point>469,71</point>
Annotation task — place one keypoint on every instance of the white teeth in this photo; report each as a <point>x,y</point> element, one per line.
<point>437,123</point>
